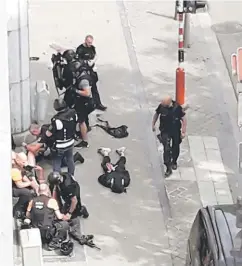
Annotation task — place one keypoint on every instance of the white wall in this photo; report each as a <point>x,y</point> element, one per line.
<point>18,57</point>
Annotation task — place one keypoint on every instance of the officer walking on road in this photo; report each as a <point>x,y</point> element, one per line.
<point>172,131</point>
<point>63,128</point>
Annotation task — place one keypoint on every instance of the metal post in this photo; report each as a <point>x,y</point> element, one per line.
<point>187,30</point>
<point>6,222</point>
<point>175,15</point>
<point>180,73</point>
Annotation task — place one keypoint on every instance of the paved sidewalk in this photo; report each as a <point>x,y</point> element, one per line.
<point>142,227</point>
<point>206,161</point>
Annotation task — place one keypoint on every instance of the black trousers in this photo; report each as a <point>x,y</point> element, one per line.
<point>25,195</point>
<point>57,231</point>
<point>75,228</point>
<point>119,166</point>
<point>171,144</point>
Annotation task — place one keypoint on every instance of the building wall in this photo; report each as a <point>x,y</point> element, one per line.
<point>18,57</point>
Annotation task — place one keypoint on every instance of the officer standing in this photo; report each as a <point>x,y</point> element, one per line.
<point>172,131</point>
<point>43,212</point>
<point>68,77</point>
<point>87,51</point>
<point>65,188</point>
<point>63,128</point>
<point>84,103</point>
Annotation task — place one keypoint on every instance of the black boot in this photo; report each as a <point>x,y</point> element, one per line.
<point>168,171</point>
<point>83,212</point>
<point>174,165</point>
<point>82,144</point>
<point>78,158</point>
<point>101,107</point>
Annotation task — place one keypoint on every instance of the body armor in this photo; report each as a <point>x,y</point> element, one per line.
<point>41,215</point>
<point>66,135</point>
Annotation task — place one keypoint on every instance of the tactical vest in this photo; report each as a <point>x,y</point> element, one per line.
<point>41,215</point>
<point>64,138</point>
<point>169,119</point>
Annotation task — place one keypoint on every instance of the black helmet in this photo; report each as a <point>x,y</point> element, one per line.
<point>59,104</point>
<point>69,55</point>
<point>54,178</point>
<point>67,248</point>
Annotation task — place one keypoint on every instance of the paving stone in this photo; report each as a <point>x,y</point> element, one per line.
<point>218,176</point>
<point>225,199</point>
<point>207,193</point>
<point>202,174</point>
<point>211,143</point>
<point>187,173</point>
<point>222,188</point>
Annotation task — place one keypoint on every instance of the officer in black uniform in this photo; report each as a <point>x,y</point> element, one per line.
<point>43,213</point>
<point>68,77</point>
<point>172,130</point>
<point>65,188</point>
<point>63,128</point>
<point>45,144</point>
<point>84,104</point>
<point>87,51</point>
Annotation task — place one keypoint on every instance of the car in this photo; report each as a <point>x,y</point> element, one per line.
<point>215,237</point>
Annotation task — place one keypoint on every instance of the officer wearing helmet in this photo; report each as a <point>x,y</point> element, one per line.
<point>66,189</point>
<point>43,213</point>
<point>68,76</point>
<point>63,128</point>
<point>84,103</point>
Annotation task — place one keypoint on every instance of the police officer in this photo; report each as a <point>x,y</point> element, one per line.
<point>172,130</point>
<point>87,51</point>
<point>44,144</point>
<point>84,104</point>
<point>68,76</point>
<point>63,128</point>
<point>43,212</point>
<point>65,188</point>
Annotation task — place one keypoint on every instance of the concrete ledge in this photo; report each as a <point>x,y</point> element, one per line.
<point>31,247</point>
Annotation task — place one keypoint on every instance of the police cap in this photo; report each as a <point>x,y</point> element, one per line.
<point>59,104</point>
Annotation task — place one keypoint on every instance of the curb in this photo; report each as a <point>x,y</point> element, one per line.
<point>226,102</point>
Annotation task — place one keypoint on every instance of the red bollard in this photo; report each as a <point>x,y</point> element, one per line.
<point>180,86</point>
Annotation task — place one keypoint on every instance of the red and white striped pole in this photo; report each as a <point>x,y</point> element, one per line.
<point>180,73</point>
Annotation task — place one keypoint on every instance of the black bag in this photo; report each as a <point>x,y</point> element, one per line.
<point>116,132</point>
<point>117,184</point>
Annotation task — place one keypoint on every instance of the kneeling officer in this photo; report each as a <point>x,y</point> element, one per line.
<point>43,211</point>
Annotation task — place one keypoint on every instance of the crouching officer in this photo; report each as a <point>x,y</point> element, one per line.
<point>63,128</point>
<point>65,188</point>
<point>43,212</point>
<point>172,131</point>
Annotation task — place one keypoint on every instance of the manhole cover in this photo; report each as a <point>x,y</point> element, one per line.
<point>230,27</point>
